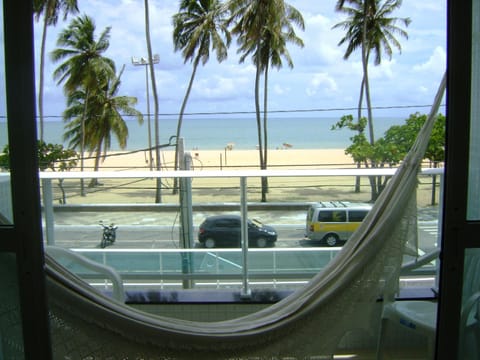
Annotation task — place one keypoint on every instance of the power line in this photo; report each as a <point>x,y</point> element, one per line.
<point>279,111</point>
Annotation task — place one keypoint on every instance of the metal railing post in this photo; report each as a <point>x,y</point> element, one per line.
<point>186,217</point>
<point>47,195</point>
<point>246,292</point>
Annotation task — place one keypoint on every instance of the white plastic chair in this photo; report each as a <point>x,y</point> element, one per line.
<point>419,316</point>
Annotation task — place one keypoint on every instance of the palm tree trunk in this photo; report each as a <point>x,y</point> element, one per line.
<point>360,99</point>
<point>265,131</point>
<point>259,122</point>
<point>365,52</point>
<point>96,166</point>
<point>158,192</point>
<point>369,106</point>
<point>41,72</point>
<point>359,116</point>
<point>373,179</point>
<point>180,117</point>
<point>82,142</point>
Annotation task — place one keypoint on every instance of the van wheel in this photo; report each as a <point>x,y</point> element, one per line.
<point>209,243</point>
<point>262,242</point>
<point>331,239</point>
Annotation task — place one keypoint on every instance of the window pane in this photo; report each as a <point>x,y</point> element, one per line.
<point>473,210</point>
<point>148,235</point>
<point>5,193</point>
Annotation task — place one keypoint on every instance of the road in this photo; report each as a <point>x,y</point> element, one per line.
<point>145,266</point>
<point>151,236</point>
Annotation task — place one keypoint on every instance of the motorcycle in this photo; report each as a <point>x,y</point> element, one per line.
<point>109,234</point>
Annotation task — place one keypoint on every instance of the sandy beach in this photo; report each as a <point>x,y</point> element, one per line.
<point>141,190</point>
<point>230,159</point>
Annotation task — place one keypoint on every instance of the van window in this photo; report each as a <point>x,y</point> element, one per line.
<point>357,215</point>
<point>332,216</point>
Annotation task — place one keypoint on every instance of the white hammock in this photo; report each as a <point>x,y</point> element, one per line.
<point>308,323</point>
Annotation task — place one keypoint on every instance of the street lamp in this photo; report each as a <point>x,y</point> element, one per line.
<point>144,62</point>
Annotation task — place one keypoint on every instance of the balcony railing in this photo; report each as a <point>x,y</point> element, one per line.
<point>278,268</point>
<point>189,267</point>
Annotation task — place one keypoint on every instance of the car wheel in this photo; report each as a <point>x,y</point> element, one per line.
<point>262,242</point>
<point>331,239</point>
<point>209,243</point>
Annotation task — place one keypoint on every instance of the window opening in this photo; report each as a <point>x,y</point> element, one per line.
<point>6,214</point>
<point>143,227</point>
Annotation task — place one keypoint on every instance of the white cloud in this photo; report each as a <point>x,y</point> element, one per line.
<point>436,63</point>
<point>429,5</point>
<point>219,87</point>
<point>423,89</point>
<point>320,71</point>
<point>280,90</point>
<point>383,71</point>
<point>321,82</point>
<point>320,41</point>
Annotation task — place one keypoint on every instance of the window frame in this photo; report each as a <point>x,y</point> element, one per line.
<point>24,236</point>
<point>458,234</point>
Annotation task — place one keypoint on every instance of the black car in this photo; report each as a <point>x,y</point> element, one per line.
<point>225,230</point>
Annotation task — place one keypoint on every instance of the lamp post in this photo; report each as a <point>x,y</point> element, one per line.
<point>144,62</point>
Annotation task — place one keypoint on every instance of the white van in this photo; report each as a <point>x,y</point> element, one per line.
<point>332,222</point>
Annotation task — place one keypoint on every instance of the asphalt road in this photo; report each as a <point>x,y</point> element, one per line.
<point>141,267</point>
<point>152,236</point>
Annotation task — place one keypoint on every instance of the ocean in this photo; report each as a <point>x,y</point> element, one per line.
<point>215,133</point>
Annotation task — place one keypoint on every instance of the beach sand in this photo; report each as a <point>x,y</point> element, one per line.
<point>218,190</point>
<point>231,159</point>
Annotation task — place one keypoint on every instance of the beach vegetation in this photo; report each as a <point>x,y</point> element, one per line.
<point>104,118</point>
<point>84,68</point>
<point>51,157</point>
<point>403,137</point>
<point>199,25</point>
<point>263,29</point>
<point>391,149</point>
<point>51,10</point>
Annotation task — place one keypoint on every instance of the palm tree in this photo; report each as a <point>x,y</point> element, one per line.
<point>51,10</point>
<point>105,117</point>
<point>370,28</point>
<point>84,67</point>
<point>264,28</point>
<point>158,192</point>
<point>198,26</point>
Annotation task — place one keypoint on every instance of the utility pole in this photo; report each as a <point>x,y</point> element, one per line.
<point>144,62</point>
<point>186,217</point>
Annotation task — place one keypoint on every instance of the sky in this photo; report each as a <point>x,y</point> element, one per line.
<point>321,84</point>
